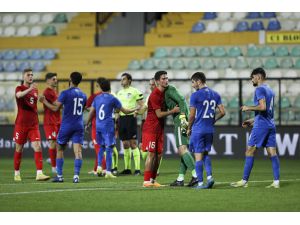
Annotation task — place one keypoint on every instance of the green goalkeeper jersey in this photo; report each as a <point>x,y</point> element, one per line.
<point>173,98</point>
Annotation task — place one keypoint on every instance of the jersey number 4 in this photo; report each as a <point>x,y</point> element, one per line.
<point>209,105</point>
<point>78,106</point>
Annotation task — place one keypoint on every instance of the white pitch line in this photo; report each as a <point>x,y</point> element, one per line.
<point>121,189</point>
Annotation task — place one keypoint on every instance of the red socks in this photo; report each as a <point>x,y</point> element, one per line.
<point>17,160</point>
<point>38,158</point>
<point>147,175</point>
<point>52,155</point>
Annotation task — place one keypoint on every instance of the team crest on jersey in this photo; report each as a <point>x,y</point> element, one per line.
<point>129,95</point>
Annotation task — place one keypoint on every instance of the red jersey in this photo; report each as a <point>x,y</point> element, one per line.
<point>153,124</point>
<point>50,117</point>
<point>89,104</point>
<point>27,108</point>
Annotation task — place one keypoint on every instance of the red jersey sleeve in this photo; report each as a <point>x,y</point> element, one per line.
<point>50,95</point>
<point>90,101</point>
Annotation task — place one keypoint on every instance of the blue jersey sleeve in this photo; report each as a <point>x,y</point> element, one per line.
<point>260,93</point>
<point>62,97</point>
<point>218,100</point>
<point>193,100</point>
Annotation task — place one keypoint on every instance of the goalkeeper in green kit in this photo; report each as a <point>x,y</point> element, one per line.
<point>173,98</point>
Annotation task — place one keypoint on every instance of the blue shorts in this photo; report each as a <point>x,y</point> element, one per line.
<point>262,137</point>
<point>105,138</point>
<point>65,135</point>
<point>200,142</point>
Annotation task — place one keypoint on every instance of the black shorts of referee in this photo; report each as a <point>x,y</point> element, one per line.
<point>127,127</point>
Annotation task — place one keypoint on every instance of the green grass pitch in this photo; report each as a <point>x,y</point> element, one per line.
<point>126,194</point>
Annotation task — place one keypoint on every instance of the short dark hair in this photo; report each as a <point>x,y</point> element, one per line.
<point>158,74</point>
<point>199,76</point>
<point>260,71</point>
<point>129,77</point>
<point>76,78</point>
<point>27,70</point>
<point>99,80</point>
<point>50,75</point>
<point>104,84</point>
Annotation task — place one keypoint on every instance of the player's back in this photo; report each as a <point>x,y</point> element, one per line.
<point>73,100</point>
<point>205,100</point>
<point>105,104</point>
<point>27,107</point>
<point>264,119</point>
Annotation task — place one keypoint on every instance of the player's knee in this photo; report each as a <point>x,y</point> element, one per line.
<point>250,151</point>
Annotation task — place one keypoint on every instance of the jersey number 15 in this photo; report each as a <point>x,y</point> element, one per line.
<point>78,106</point>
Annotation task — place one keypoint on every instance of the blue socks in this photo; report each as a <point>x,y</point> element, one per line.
<point>109,151</point>
<point>199,170</point>
<point>100,155</point>
<point>59,166</point>
<point>275,167</point>
<point>207,165</point>
<point>248,167</point>
<point>77,166</point>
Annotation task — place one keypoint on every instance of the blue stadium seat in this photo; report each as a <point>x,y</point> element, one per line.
<point>134,65</point>
<point>240,63</point>
<point>282,51</point>
<point>148,64</point>
<point>198,27</point>
<point>267,51</point>
<point>235,51</point>
<point>177,64</point>
<point>257,25</point>
<point>38,66</point>
<point>205,52</point>
<point>271,63</point>
<point>209,15</point>
<point>9,55</point>
<point>163,64</point>
<point>208,64</point>
<point>268,14</point>
<point>253,51</point>
<point>10,67</point>
<point>22,55</point>
<point>242,26</point>
<point>36,54</point>
<point>160,53</point>
<point>286,63</point>
<point>223,63</point>
<point>253,15</point>
<point>219,51</point>
<point>49,54</point>
<point>24,65</point>
<point>176,52</point>
<point>274,25</point>
<point>190,52</point>
<point>295,51</point>
<point>193,64</point>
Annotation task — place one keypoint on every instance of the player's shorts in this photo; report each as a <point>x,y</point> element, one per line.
<point>22,134</point>
<point>181,139</point>
<point>127,127</point>
<point>106,138</point>
<point>51,131</point>
<point>72,133</point>
<point>201,142</point>
<point>153,142</point>
<point>262,137</point>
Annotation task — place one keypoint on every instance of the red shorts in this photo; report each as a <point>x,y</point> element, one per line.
<point>153,142</point>
<point>51,131</point>
<point>22,134</point>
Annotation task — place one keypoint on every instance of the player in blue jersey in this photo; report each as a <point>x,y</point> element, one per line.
<point>263,133</point>
<point>73,101</point>
<point>205,109</point>
<point>104,106</point>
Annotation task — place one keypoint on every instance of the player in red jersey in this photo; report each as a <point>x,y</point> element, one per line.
<point>153,129</point>
<point>27,125</point>
<point>52,119</point>
<point>93,134</point>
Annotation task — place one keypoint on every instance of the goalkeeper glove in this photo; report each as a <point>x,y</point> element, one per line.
<point>183,123</point>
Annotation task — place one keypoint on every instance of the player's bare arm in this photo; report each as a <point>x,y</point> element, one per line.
<point>54,107</point>
<point>161,114</point>
<point>191,120</point>
<point>90,116</point>
<point>143,107</point>
<point>220,113</point>
<point>128,111</point>
<point>21,94</point>
<point>248,123</point>
<point>260,107</point>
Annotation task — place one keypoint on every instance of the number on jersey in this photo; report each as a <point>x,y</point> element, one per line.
<point>209,104</point>
<point>78,107</point>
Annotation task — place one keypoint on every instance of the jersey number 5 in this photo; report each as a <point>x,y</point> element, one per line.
<point>78,106</point>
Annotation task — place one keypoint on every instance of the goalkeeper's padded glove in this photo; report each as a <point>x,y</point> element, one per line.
<point>183,123</point>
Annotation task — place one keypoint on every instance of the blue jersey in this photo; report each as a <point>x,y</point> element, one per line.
<point>105,104</point>
<point>205,100</point>
<point>264,119</point>
<point>74,101</point>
